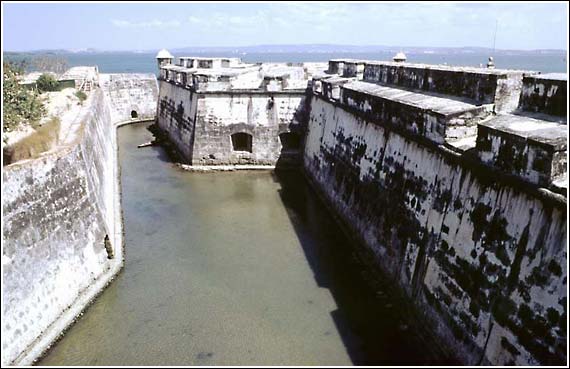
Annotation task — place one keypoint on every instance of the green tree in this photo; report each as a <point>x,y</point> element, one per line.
<point>21,106</point>
<point>47,82</point>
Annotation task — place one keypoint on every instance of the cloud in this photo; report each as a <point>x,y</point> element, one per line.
<point>155,23</point>
<point>415,24</point>
<point>309,16</point>
<point>228,22</point>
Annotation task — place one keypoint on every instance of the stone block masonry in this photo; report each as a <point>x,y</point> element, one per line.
<point>483,86</point>
<point>224,112</point>
<point>452,179</point>
<point>262,117</point>
<point>546,93</point>
<point>63,239</point>
<point>523,146</point>
<point>472,228</point>
<point>131,96</point>
<point>475,254</point>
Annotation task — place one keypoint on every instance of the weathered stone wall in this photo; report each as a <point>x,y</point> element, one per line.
<point>482,256</point>
<point>479,85</point>
<point>58,211</point>
<point>201,124</point>
<point>264,116</point>
<point>225,112</point>
<point>538,154</point>
<point>129,93</point>
<point>545,94</point>
<point>435,118</point>
<point>414,160</point>
<point>176,114</point>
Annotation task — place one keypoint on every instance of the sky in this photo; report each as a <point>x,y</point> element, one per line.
<point>151,26</point>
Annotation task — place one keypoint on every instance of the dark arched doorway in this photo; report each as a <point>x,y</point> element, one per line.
<point>242,141</point>
<point>134,114</point>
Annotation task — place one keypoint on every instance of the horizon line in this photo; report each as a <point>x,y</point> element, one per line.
<point>78,50</point>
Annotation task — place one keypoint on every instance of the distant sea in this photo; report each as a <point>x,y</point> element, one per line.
<point>125,62</point>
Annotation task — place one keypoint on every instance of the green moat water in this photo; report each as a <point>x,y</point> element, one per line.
<point>241,268</point>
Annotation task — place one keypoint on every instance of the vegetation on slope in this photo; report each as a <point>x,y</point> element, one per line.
<point>33,145</point>
<point>47,82</point>
<point>24,107</point>
<point>21,106</point>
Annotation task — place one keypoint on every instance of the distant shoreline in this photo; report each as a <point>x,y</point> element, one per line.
<point>144,62</point>
<point>316,49</point>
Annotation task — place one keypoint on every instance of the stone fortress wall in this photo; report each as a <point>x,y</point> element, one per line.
<point>221,111</point>
<point>131,96</point>
<point>456,197</point>
<point>453,179</point>
<point>63,237</point>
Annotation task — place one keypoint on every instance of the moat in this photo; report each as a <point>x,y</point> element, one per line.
<point>233,268</point>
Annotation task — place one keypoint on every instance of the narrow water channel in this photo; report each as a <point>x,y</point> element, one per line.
<point>242,268</point>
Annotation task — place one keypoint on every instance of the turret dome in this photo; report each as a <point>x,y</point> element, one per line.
<point>164,54</point>
<point>400,57</point>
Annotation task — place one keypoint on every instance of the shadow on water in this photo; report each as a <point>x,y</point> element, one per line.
<point>371,317</point>
<point>221,269</point>
<point>161,154</point>
<point>371,320</point>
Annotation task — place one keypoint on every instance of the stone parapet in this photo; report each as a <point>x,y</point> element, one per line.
<point>434,117</point>
<point>484,86</point>
<point>225,75</point>
<point>515,121</point>
<point>545,93</point>
<point>533,149</point>
<point>347,68</point>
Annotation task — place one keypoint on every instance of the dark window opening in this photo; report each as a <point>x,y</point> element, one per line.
<point>241,142</point>
<point>204,64</point>
<point>134,114</point>
<point>290,141</point>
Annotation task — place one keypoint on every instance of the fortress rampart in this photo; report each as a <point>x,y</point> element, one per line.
<point>461,203</point>
<point>63,230</point>
<point>221,111</point>
<point>452,179</point>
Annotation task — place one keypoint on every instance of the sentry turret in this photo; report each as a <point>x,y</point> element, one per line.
<point>164,58</point>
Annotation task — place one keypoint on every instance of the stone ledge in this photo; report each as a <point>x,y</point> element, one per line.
<point>347,68</point>
<point>533,149</point>
<point>478,84</point>
<point>223,168</point>
<point>556,196</point>
<point>436,117</point>
<point>267,77</point>
<point>328,86</point>
<point>545,93</point>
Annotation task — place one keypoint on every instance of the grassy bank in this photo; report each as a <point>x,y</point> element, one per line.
<point>42,140</point>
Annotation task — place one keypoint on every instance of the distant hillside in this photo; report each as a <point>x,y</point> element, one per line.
<point>313,48</point>
<point>325,48</point>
